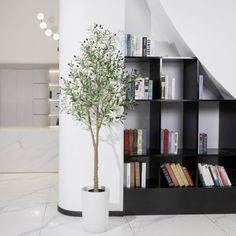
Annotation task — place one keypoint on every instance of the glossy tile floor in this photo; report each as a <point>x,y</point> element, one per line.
<point>28,208</point>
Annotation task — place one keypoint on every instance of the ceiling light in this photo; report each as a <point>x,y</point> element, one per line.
<point>56,36</point>
<point>40,16</point>
<point>43,25</point>
<point>48,32</point>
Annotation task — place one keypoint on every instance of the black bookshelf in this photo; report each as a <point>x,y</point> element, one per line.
<point>157,197</point>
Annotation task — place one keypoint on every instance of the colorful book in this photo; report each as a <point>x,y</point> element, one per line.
<point>144,142</point>
<point>139,142</point>
<point>167,177</point>
<point>172,175</point>
<point>166,134</point>
<point>137,175</point>
<point>132,175</point>
<point>182,176</point>
<point>177,175</point>
<point>131,142</point>
<point>188,177</point>
<point>126,142</point>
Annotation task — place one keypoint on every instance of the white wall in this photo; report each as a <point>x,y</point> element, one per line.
<point>208,28</point>
<point>76,153</point>
<point>21,39</point>
<point>147,17</point>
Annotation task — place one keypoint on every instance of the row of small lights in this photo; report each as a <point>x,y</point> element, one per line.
<point>43,26</point>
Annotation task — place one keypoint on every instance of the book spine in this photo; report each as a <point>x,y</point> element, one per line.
<point>174,168</point>
<point>126,142</point>
<point>176,140</point>
<point>140,46</point>
<point>144,51</point>
<point>204,143</point>
<point>181,173</point>
<point>166,87</point>
<point>132,37</point>
<point>144,142</point>
<point>132,175</point>
<point>172,142</point>
<point>188,176</point>
<point>144,170</point>
<point>146,87</point>
<point>127,175</point>
<point>135,142</point>
<point>200,171</point>
<point>129,45</point>
<point>150,88</point>
<point>131,142</point>
<point>137,174</point>
<point>166,141</point>
<point>200,86</point>
<point>138,88</point>
<point>172,175</point>
<point>167,177</point>
<point>162,141</point>
<point>213,175</point>
<point>139,142</point>
<point>169,87</point>
<point>219,177</point>
<point>125,45</point>
<point>226,176</point>
<point>163,85</point>
<point>169,142</point>
<point>148,47</point>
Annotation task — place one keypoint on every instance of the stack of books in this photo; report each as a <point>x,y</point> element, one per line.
<point>202,143</point>
<point>135,175</point>
<point>176,175</point>
<point>141,90</point>
<point>136,45</point>
<point>167,87</point>
<point>169,142</point>
<point>135,142</point>
<point>213,176</point>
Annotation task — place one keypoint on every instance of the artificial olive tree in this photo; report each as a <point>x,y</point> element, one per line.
<point>95,91</point>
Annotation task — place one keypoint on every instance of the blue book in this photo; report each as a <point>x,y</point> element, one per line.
<point>144,142</point>
<point>169,142</point>
<point>150,86</point>
<point>162,141</point>
<point>128,44</point>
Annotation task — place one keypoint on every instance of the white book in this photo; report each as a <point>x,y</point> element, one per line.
<point>138,88</point>
<point>172,135</point>
<point>210,180</point>
<point>176,140</point>
<point>200,86</point>
<point>205,175</point>
<point>169,87</point>
<point>213,173</point>
<point>200,169</point>
<point>127,174</point>
<point>143,175</point>
<point>141,46</point>
<point>172,88</point>
<point>146,87</point>
<point>166,87</point>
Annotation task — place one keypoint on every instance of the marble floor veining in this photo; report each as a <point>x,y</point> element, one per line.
<point>28,207</point>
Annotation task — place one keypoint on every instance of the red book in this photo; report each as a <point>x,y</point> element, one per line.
<point>166,134</point>
<point>131,141</point>
<point>221,176</point>
<point>172,175</point>
<point>188,176</point>
<point>126,142</point>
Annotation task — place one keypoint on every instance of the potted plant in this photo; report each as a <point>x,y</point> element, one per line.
<point>95,94</point>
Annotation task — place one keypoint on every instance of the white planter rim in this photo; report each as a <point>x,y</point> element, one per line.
<point>87,188</point>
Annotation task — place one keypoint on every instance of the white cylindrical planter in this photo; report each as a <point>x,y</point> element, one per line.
<point>95,209</point>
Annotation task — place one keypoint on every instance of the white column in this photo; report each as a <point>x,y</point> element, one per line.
<point>76,153</point>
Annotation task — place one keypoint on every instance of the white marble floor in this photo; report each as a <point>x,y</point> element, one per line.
<point>28,207</point>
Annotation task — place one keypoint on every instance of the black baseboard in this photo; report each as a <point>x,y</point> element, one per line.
<point>79,213</point>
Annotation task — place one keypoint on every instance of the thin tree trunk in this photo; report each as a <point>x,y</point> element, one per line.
<point>95,179</point>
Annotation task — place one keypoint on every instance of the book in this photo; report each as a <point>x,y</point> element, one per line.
<point>143,177</point>
<point>182,176</point>
<point>126,142</point>
<point>176,140</point>
<point>135,140</point>
<point>226,177</point>
<point>172,88</point>
<point>132,175</point>
<point>144,142</point>
<point>214,175</point>
<point>162,141</point>
<point>172,175</point>
<point>200,171</point>
<point>169,142</point>
<point>188,176</point>
<point>177,175</point>
<point>144,47</point>
<point>139,142</point>
<point>150,88</point>
<point>131,142</point>
<point>146,88</point>
<point>163,87</point>
<point>166,141</point>
<point>167,177</point>
<point>200,83</point>
<point>127,175</point>
<point>137,174</point>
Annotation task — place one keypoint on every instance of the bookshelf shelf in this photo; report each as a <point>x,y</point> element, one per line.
<point>181,114</point>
